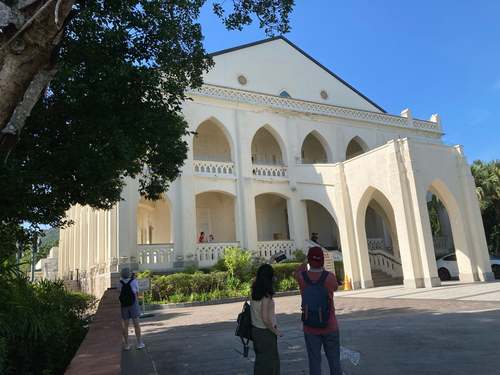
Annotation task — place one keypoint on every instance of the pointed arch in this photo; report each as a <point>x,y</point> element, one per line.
<point>380,205</point>
<point>462,248</point>
<point>268,147</point>
<point>154,221</point>
<point>213,141</point>
<point>315,149</point>
<point>355,147</point>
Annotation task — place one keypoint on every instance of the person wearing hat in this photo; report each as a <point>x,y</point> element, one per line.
<point>319,332</point>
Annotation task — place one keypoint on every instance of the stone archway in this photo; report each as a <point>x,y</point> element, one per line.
<point>313,149</point>
<point>355,147</point>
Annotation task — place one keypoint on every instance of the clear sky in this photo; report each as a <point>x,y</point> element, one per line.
<point>432,56</point>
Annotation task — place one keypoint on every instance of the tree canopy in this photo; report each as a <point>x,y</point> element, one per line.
<point>487,177</point>
<point>113,108</point>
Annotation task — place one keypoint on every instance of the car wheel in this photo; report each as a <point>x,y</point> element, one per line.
<point>496,270</point>
<point>444,274</point>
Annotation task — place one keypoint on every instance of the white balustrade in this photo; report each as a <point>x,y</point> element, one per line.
<point>157,257</point>
<point>376,244</point>
<point>213,168</point>
<point>272,171</point>
<point>382,261</point>
<point>441,243</point>
<point>267,249</point>
<point>431,128</point>
<point>208,253</point>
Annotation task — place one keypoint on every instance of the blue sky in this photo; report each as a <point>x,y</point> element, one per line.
<point>431,56</point>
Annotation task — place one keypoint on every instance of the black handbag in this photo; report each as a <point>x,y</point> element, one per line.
<point>244,327</point>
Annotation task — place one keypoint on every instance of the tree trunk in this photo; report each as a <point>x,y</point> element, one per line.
<point>25,55</point>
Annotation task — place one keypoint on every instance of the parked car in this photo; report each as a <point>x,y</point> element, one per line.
<point>448,268</point>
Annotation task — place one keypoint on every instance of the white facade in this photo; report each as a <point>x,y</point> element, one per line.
<point>265,171</point>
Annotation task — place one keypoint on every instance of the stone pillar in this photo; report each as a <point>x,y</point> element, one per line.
<point>405,220</point>
<point>423,231</point>
<point>481,265</point>
<point>247,224</point>
<point>127,225</point>
<point>348,239</point>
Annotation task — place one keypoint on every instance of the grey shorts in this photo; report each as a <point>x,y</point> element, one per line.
<point>131,312</point>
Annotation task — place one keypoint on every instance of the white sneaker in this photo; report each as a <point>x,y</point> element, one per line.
<point>126,347</point>
<point>140,345</point>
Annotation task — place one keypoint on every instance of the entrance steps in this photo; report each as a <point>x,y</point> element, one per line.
<point>383,279</point>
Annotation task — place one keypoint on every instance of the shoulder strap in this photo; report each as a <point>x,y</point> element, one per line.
<point>121,282</point>
<point>130,281</point>
<point>306,278</point>
<point>323,277</point>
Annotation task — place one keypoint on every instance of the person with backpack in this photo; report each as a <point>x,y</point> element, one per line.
<point>318,312</point>
<point>130,309</point>
<point>264,328</point>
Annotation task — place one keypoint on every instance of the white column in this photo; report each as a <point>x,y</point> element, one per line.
<point>127,221</point>
<point>348,237</point>
<point>479,255</point>
<point>404,214</point>
<point>247,224</point>
<point>423,231</point>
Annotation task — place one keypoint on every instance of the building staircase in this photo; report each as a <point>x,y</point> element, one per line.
<point>381,278</point>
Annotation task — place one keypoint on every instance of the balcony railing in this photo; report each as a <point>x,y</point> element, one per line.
<point>388,263</point>
<point>376,244</point>
<point>208,253</point>
<point>267,249</point>
<point>271,171</point>
<point>156,257</point>
<point>213,168</point>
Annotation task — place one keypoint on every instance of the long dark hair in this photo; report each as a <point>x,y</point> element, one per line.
<point>263,284</point>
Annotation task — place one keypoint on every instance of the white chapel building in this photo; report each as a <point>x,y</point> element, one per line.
<point>284,151</point>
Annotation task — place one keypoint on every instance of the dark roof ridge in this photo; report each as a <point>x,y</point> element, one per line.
<point>262,41</point>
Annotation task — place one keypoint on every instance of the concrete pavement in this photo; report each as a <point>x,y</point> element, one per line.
<point>393,334</point>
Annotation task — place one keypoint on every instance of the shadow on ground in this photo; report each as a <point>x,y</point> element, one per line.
<point>390,341</point>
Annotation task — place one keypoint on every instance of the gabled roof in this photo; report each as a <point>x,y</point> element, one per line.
<point>267,40</point>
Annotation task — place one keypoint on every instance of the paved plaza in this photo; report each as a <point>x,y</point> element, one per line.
<point>454,329</point>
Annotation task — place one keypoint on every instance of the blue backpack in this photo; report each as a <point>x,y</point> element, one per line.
<point>315,302</point>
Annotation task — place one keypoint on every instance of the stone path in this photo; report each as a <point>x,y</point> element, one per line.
<point>450,290</point>
<point>393,336</point>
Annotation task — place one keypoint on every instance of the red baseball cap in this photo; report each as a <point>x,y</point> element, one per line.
<point>315,257</point>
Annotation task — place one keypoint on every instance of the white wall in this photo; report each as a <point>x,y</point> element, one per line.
<point>276,66</point>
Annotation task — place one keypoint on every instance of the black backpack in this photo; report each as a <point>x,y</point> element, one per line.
<point>315,302</point>
<point>244,327</point>
<point>127,296</point>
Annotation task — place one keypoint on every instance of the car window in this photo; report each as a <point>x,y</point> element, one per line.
<point>494,257</point>
<point>452,258</point>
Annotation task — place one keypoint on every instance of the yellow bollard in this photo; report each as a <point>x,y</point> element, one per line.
<point>347,283</point>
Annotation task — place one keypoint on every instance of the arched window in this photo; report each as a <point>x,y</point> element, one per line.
<point>355,148</point>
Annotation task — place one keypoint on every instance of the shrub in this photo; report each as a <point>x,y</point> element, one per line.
<point>238,263</point>
<point>284,270</point>
<point>167,287</point>
<point>42,325</point>
<point>287,284</point>
<point>144,274</point>
<point>299,256</point>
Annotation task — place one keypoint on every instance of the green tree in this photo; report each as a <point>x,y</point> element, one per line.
<point>433,207</point>
<point>113,108</point>
<point>487,177</point>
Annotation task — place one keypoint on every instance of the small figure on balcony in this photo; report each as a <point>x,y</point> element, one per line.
<point>314,237</point>
<point>202,238</point>
<point>211,238</point>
